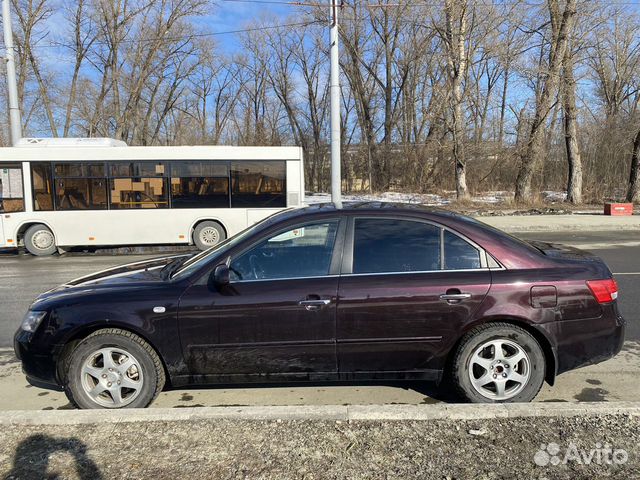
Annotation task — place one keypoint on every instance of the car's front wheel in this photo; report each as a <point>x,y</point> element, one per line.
<point>113,368</point>
<point>497,363</point>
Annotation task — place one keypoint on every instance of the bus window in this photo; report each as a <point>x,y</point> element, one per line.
<point>138,192</point>
<point>11,191</point>
<point>42,186</point>
<point>68,169</point>
<point>138,169</point>
<point>80,186</point>
<point>199,185</point>
<point>138,185</point>
<point>258,184</point>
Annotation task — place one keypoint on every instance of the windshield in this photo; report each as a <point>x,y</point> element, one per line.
<point>195,262</point>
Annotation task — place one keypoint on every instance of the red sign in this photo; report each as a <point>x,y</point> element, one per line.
<point>618,208</point>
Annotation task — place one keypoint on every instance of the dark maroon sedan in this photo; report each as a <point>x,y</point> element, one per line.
<point>370,291</point>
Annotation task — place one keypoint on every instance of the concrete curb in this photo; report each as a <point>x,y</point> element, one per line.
<point>323,412</point>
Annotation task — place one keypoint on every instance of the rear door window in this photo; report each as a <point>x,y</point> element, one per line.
<point>383,245</point>
<point>459,254</point>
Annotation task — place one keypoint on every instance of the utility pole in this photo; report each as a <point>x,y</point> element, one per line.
<point>14,108</point>
<point>336,178</point>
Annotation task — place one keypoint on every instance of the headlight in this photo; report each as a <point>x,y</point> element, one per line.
<point>32,320</point>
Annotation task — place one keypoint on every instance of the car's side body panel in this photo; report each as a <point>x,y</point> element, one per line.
<point>250,328</point>
<point>398,322</point>
<point>126,308</point>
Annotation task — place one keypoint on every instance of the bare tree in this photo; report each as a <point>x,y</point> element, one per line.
<point>633,192</point>
<point>31,14</point>
<point>574,184</point>
<point>561,25</point>
<point>425,87</point>
<point>455,34</point>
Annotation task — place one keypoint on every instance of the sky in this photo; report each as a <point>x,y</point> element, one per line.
<point>225,16</point>
<point>235,15</point>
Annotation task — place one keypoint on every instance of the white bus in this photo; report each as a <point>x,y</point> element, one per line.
<point>57,193</point>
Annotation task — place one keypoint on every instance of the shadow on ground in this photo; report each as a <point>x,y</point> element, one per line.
<point>33,455</point>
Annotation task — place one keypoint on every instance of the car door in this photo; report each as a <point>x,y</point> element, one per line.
<point>277,316</point>
<point>407,288</point>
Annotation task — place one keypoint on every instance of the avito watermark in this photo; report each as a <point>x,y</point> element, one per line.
<point>602,454</point>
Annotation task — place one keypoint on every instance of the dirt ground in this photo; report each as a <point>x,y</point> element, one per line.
<point>574,448</point>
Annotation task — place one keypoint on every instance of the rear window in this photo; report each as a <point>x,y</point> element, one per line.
<point>497,233</point>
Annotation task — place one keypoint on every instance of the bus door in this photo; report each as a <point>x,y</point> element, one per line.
<point>11,196</point>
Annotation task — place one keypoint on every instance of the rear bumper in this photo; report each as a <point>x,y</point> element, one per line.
<point>587,341</point>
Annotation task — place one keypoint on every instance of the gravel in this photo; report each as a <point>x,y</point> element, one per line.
<point>305,449</point>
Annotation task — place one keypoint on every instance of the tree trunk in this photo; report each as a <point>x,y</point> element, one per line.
<point>574,183</point>
<point>457,63</point>
<point>503,104</point>
<point>533,150</point>
<point>633,194</point>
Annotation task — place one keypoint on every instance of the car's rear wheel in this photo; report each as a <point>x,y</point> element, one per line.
<point>113,368</point>
<point>498,363</point>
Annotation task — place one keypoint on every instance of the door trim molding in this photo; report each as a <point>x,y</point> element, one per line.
<point>291,343</point>
<point>391,340</point>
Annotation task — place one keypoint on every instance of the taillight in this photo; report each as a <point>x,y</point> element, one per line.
<point>604,291</point>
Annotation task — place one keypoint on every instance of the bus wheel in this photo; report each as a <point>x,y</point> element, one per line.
<point>207,234</point>
<point>39,240</point>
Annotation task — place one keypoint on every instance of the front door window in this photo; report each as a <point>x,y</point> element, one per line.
<point>301,252</point>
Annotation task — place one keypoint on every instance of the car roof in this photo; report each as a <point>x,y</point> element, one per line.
<point>376,208</point>
<point>360,207</point>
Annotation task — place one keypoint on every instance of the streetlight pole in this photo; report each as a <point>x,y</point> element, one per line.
<point>12,87</point>
<point>336,179</point>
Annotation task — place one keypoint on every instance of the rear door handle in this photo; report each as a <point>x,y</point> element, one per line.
<point>313,304</point>
<point>455,297</point>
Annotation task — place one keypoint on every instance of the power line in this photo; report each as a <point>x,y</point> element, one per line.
<point>280,2</point>
<point>188,37</point>
<point>495,3</point>
<point>487,3</point>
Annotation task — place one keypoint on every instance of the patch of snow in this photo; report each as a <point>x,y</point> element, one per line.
<point>551,196</point>
<point>418,198</point>
<point>489,198</point>
<point>499,196</point>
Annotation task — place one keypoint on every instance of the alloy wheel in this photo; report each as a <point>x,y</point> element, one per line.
<point>499,369</point>
<point>112,377</point>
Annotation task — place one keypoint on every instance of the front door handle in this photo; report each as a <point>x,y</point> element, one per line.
<point>313,304</point>
<point>455,297</point>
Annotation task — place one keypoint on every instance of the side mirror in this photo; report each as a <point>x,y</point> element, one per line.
<point>221,275</point>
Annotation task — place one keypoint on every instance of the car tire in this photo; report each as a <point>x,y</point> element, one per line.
<point>39,240</point>
<point>208,234</point>
<point>133,379</point>
<point>498,363</point>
